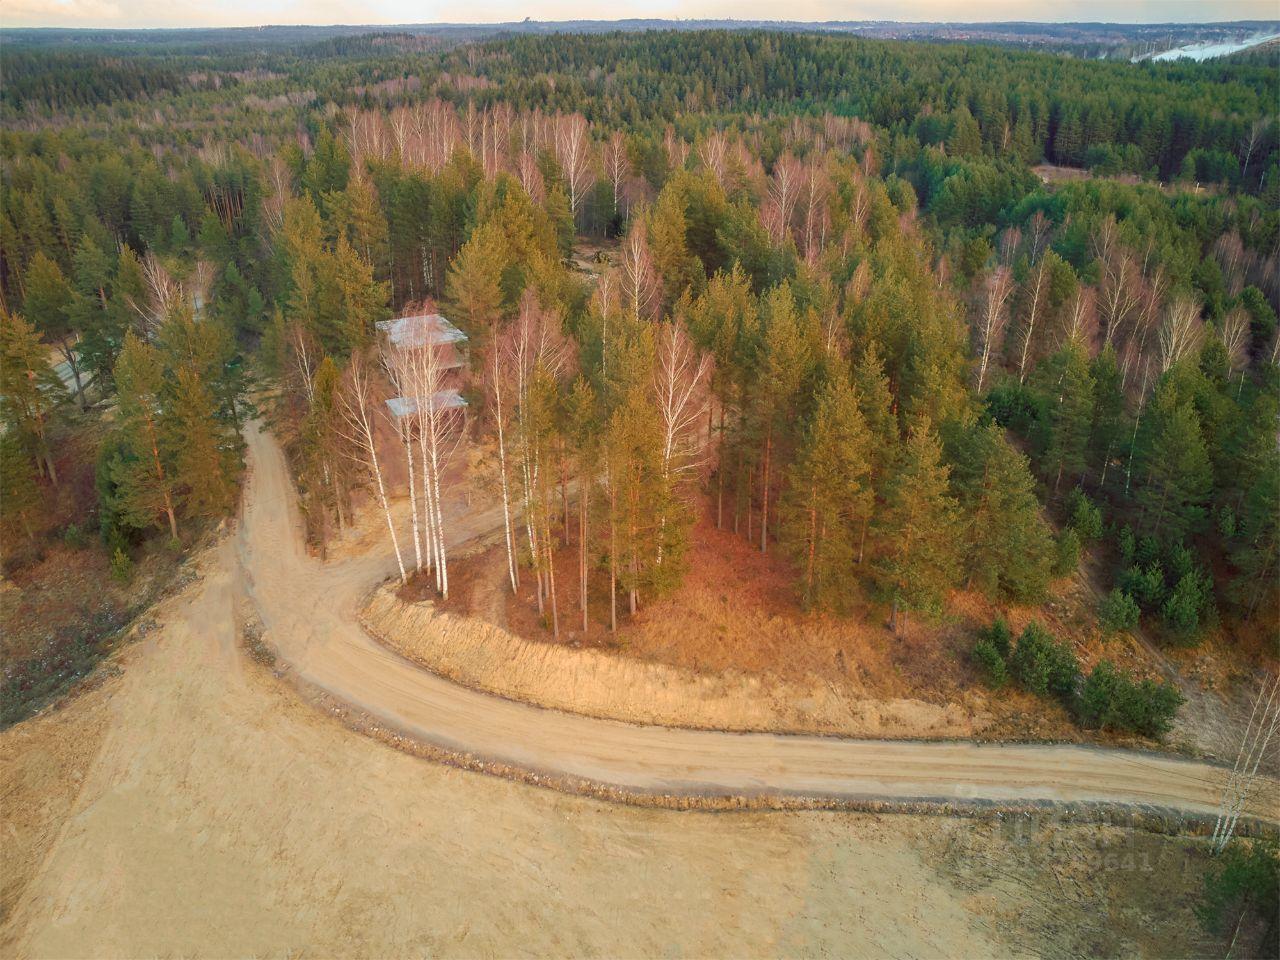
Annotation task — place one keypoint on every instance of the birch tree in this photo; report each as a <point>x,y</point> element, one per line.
<point>497,383</point>
<point>639,280</point>
<point>357,402</point>
<point>680,377</point>
<point>992,317</point>
<point>573,151</point>
<point>616,166</point>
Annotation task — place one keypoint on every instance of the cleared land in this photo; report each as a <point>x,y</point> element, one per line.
<point>195,806</point>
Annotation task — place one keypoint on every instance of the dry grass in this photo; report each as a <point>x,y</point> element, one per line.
<point>736,612</point>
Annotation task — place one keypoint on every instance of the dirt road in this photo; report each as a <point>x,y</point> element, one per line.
<point>309,612</point>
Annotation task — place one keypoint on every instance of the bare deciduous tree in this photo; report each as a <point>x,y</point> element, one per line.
<point>616,165</point>
<point>357,403</point>
<point>1120,281</point>
<point>573,151</point>
<point>1181,333</point>
<point>680,377</point>
<point>1037,291</point>
<point>639,279</point>
<point>992,317</point>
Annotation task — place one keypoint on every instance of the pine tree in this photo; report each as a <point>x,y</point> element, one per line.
<point>475,284</point>
<point>631,458</point>
<point>829,497</point>
<point>90,311</point>
<point>1175,461</point>
<point>966,138</point>
<point>679,269</point>
<point>142,473</point>
<point>19,489</point>
<point>360,302</point>
<point>582,426</point>
<point>322,442</point>
<point>724,321</point>
<point>1255,587</point>
<point>785,364</point>
<point>918,562</point>
<point>1108,431</point>
<point>201,455</point>
<point>1069,385</point>
<point>875,401</point>
<point>46,304</point>
<point>30,391</point>
<point>354,213</point>
<point>1008,547</point>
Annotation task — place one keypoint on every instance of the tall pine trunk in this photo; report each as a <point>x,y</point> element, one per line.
<point>582,548</point>
<point>764,502</point>
<point>613,561</point>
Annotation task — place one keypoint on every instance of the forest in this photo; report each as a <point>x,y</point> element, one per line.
<point>813,288</point>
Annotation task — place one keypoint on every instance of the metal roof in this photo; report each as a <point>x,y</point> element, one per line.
<point>443,399</point>
<point>421,329</point>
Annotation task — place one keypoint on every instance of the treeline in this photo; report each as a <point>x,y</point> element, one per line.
<point>52,81</point>
<point>1215,122</point>
<point>1033,107</point>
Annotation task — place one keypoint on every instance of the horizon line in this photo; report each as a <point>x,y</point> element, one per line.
<point>621,20</point>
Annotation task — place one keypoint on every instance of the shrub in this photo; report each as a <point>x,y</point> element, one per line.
<point>1000,637</point>
<point>1227,522</point>
<point>1017,407</point>
<point>1145,585</point>
<point>1189,606</point>
<point>73,536</point>
<point>1126,545</point>
<point>1086,518</point>
<point>1109,698</point>
<point>1181,562</point>
<point>1119,612</point>
<point>1147,552</point>
<point>1043,666</point>
<point>1149,707</point>
<point>1067,554</point>
<point>992,663</point>
<point>121,567</point>
<point>1099,696</point>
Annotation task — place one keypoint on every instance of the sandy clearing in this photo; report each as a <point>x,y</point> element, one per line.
<point>310,614</point>
<point>224,816</point>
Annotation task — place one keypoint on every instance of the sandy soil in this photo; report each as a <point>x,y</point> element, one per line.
<point>601,684</point>
<point>203,809</point>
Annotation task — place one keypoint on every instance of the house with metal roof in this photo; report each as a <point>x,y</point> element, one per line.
<point>432,330</point>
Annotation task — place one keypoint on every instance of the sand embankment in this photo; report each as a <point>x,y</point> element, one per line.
<point>600,684</point>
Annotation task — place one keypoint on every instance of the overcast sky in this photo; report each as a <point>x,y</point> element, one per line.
<point>196,13</point>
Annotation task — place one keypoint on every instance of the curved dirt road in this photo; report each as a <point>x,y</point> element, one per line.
<point>309,611</point>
